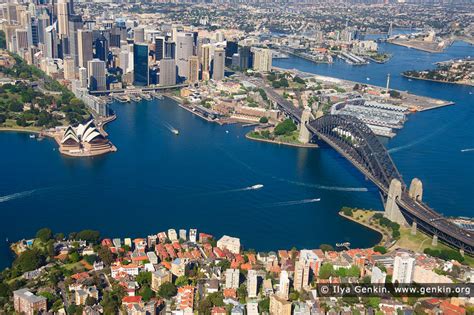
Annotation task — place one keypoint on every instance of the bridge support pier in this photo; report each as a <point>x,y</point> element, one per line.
<point>392,211</point>
<point>305,135</point>
<point>413,228</point>
<point>434,242</point>
<point>416,189</point>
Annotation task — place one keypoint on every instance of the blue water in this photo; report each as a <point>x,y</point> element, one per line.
<point>158,180</point>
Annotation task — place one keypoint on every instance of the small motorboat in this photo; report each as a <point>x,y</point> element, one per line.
<point>175,131</point>
<point>258,186</point>
<point>32,136</point>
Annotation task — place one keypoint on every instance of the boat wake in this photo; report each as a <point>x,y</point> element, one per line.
<point>170,128</point>
<point>467,150</point>
<point>293,202</point>
<point>253,187</point>
<point>18,195</point>
<point>323,187</point>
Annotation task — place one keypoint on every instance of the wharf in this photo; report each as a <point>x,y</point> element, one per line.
<point>410,101</point>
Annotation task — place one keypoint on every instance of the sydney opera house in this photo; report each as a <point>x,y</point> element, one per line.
<point>84,140</point>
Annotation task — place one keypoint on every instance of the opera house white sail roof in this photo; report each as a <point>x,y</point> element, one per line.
<point>81,134</point>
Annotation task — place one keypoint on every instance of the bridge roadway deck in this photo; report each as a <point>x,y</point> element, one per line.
<point>419,211</point>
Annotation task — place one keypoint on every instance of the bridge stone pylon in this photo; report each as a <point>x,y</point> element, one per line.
<point>416,189</point>
<point>392,211</point>
<point>305,135</point>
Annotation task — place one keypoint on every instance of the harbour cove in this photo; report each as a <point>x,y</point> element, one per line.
<point>200,178</point>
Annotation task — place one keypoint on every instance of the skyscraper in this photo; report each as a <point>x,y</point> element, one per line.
<point>75,23</point>
<point>101,47</point>
<point>50,42</point>
<point>167,72</point>
<point>206,61</point>
<point>84,47</point>
<point>140,64</point>
<point>193,70</point>
<point>159,48</point>
<point>139,35</point>
<point>219,64</point>
<point>184,50</point>
<point>170,50</point>
<point>262,60</point>
<point>96,72</point>
<point>63,18</point>
<point>21,39</point>
<point>244,53</point>
<point>43,23</point>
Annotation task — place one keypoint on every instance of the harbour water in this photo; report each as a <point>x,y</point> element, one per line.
<point>199,179</point>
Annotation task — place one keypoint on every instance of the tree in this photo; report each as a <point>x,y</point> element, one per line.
<point>91,301</point>
<point>263,120</point>
<point>146,293</point>
<point>167,290</point>
<point>394,94</point>
<point>88,235</point>
<point>347,211</point>
<point>326,248</point>
<point>264,305</point>
<point>181,281</point>
<point>30,259</point>
<point>144,278</point>
<point>285,127</point>
<point>380,249</point>
<point>3,118</point>
<point>373,302</point>
<point>326,271</point>
<point>105,255</point>
<point>44,234</point>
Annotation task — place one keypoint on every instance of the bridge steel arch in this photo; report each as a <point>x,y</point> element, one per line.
<point>354,140</point>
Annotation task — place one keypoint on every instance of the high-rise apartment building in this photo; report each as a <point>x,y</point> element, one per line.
<point>232,278</point>
<point>262,60</point>
<point>403,268</point>
<point>284,285</point>
<point>301,276</point>
<point>252,283</point>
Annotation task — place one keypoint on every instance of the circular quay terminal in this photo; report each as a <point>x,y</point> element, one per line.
<point>224,157</point>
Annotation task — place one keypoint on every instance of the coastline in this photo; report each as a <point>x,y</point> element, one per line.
<point>370,227</point>
<point>414,46</point>
<point>309,145</point>
<point>433,80</point>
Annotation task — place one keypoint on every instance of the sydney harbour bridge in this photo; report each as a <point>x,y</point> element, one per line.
<point>354,140</point>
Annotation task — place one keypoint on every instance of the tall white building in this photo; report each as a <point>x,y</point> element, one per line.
<point>168,77</point>
<point>232,244</point>
<point>96,72</point>
<point>232,278</point>
<point>219,64</point>
<point>403,268</point>
<point>252,283</point>
<point>262,60</point>
<point>284,286</point>
<point>83,77</point>
<point>184,50</point>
